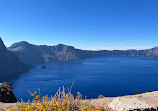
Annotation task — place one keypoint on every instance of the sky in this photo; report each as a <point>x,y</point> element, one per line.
<point>84,24</point>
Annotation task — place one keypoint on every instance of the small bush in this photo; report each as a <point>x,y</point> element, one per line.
<point>3,90</point>
<point>61,101</point>
<point>135,92</point>
<point>7,83</point>
<point>100,96</point>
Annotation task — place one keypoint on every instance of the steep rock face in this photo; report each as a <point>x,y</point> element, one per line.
<point>6,93</point>
<point>10,65</point>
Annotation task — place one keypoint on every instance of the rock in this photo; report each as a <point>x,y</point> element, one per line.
<point>130,101</point>
<point>10,65</point>
<point>126,104</point>
<point>6,93</point>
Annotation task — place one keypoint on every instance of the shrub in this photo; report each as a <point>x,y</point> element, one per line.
<point>3,90</point>
<point>100,96</point>
<point>61,101</point>
<point>135,92</point>
<point>7,83</point>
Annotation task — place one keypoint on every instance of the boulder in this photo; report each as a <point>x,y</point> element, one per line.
<point>129,104</point>
<point>6,93</point>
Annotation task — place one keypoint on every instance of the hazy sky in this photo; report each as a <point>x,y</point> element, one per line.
<point>86,24</point>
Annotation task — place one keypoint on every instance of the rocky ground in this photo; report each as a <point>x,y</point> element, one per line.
<point>144,102</point>
<point>4,106</point>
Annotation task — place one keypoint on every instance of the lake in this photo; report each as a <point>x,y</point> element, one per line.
<point>109,76</point>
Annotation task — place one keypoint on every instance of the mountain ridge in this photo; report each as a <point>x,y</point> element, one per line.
<point>10,65</point>
<point>32,54</point>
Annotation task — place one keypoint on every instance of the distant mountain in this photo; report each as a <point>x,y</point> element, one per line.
<point>27,52</point>
<point>37,54</point>
<point>30,53</point>
<point>10,65</point>
<point>151,53</point>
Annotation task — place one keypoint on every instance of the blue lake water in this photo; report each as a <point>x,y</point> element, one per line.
<point>109,76</point>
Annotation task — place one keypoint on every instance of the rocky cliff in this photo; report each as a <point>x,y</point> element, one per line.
<point>10,65</point>
<point>151,53</point>
<point>42,53</point>
<point>6,93</point>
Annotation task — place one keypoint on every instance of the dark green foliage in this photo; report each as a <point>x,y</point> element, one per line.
<point>2,90</point>
<point>135,92</point>
<point>8,83</point>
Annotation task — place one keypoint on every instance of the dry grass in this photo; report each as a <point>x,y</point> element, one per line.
<point>61,101</point>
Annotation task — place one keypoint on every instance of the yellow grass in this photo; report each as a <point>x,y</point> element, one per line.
<point>61,101</point>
